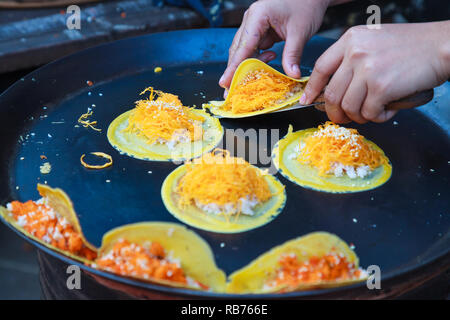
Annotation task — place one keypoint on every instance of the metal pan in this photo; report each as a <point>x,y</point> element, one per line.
<point>403,226</point>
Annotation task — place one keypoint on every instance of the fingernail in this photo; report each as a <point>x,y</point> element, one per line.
<point>295,69</point>
<point>302,99</point>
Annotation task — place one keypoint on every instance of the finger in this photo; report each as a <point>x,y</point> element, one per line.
<point>256,26</point>
<point>385,115</point>
<point>325,66</point>
<point>336,114</point>
<point>292,53</point>
<point>225,93</point>
<point>379,93</point>
<point>267,56</point>
<point>372,108</point>
<point>235,43</point>
<point>353,100</point>
<point>335,91</point>
<point>225,79</point>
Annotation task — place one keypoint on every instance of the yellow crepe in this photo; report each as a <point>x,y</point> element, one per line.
<point>60,202</point>
<point>195,255</point>
<point>138,147</point>
<point>193,216</point>
<point>307,176</point>
<point>242,71</point>
<point>251,278</point>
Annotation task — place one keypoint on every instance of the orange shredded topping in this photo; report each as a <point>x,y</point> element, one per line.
<point>218,178</point>
<point>98,154</point>
<point>163,116</point>
<point>83,120</point>
<point>331,267</point>
<point>259,90</point>
<point>131,259</point>
<point>42,222</point>
<point>333,144</point>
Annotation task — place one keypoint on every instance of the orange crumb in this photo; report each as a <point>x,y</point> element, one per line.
<point>259,90</point>
<point>131,259</point>
<point>42,222</point>
<point>330,267</point>
<point>333,144</point>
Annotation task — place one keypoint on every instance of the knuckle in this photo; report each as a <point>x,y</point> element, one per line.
<point>369,68</point>
<point>356,52</point>
<point>319,67</point>
<point>354,32</point>
<point>331,97</point>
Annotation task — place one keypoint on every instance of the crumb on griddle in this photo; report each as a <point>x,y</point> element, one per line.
<point>46,168</point>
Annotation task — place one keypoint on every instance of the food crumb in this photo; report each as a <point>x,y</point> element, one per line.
<point>17,187</point>
<point>157,69</point>
<point>89,83</point>
<point>22,158</point>
<point>222,244</point>
<point>355,220</point>
<point>108,181</point>
<point>149,172</point>
<point>395,123</point>
<point>43,157</point>
<point>46,168</point>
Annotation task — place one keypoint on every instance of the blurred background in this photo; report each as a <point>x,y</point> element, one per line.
<point>34,32</point>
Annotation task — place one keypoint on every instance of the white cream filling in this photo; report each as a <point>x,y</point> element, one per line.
<point>244,205</point>
<point>180,136</point>
<point>338,169</point>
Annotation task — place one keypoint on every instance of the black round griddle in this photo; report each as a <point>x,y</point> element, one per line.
<point>403,226</point>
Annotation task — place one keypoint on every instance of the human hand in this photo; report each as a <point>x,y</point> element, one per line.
<point>371,67</point>
<point>269,21</point>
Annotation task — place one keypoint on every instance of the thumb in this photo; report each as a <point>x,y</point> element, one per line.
<point>292,53</point>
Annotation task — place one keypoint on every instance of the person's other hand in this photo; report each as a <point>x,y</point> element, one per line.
<point>269,21</point>
<point>371,67</point>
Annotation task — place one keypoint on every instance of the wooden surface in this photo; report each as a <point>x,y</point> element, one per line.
<point>31,38</point>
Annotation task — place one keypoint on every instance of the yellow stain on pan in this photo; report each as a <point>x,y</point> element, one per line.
<point>307,176</point>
